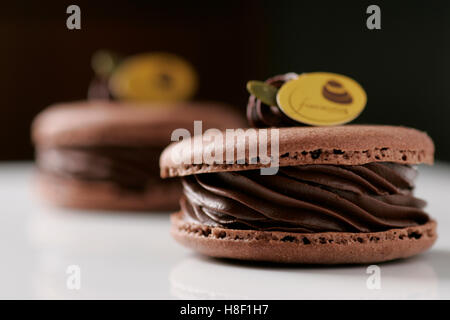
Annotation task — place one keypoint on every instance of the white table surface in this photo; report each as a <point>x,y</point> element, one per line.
<point>128,255</point>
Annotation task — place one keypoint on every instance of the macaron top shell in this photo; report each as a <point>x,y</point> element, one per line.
<point>339,145</point>
<point>90,123</point>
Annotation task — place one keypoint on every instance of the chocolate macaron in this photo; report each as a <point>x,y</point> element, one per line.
<point>104,154</point>
<point>341,195</point>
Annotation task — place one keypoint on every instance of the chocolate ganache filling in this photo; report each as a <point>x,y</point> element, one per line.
<point>131,168</point>
<point>308,198</point>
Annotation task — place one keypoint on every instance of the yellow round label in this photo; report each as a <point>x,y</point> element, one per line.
<point>322,99</point>
<point>154,77</point>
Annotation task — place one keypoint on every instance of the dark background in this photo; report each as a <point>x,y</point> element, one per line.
<point>404,67</point>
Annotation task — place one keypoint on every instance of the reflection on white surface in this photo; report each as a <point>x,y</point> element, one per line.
<point>128,255</point>
<point>204,278</point>
<point>115,252</point>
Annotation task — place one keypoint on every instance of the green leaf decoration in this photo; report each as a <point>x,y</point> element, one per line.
<point>265,92</point>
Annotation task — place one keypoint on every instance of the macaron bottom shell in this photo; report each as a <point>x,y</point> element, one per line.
<point>304,248</point>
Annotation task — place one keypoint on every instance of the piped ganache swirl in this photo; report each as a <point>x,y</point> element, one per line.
<point>132,168</point>
<point>308,198</point>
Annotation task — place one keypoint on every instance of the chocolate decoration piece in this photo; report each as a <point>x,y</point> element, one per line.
<point>99,90</point>
<point>103,63</point>
<point>261,115</point>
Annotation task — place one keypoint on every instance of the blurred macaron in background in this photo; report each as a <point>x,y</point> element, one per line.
<point>103,152</point>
